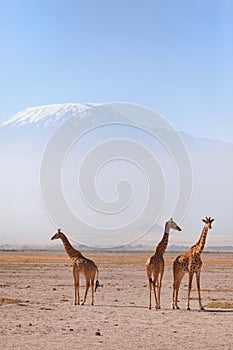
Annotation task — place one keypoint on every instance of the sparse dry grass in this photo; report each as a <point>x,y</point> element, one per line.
<point>9,301</point>
<point>51,256</point>
<point>219,305</point>
<point>104,257</point>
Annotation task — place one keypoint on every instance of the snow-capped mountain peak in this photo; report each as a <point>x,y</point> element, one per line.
<point>45,116</point>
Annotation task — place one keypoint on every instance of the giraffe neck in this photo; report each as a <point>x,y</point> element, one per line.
<point>161,247</point>
<point>70,250</point>
<point>201,243</point>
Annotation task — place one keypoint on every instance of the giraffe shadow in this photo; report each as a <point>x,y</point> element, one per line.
<point>206,310</point>
<point>123,306</point>
<point>218,310</point>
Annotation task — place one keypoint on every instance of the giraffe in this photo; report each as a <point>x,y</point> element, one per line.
<point>79,265</point>
<point>191,263</point>
<point>155,263</point>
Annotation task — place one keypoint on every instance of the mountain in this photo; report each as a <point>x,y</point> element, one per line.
<point>46,116</point>
<point>23,140</point>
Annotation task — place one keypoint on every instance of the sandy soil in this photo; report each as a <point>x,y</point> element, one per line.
<point>37,311</point>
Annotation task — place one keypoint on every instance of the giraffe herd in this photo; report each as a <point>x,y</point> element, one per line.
<point>189,262</point>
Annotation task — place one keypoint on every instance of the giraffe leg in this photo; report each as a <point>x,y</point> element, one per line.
<point>148,273</point>
<point>76,286</point>
<point>76,289</point>
<point>87,287</point>
<point>178,275</point>
<point>189,289</point>
<point>78,292</point>
<point>154,289</point>
<point>159,288</point>
<point>199,289</point>
<point>75,295</point>
<point>174,302</point>
<point>150,282</point>
<point>176,292</point>
<point>173,298</point>
<point>92,291</point>
<point>176,286</point>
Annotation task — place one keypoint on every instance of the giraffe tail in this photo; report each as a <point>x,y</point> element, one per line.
<point>97,284</point>
<point>152,282</point>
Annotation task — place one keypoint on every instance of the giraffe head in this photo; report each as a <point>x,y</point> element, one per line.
<point>170,224</point>
<point>208,221</point>
<point>57,235</point>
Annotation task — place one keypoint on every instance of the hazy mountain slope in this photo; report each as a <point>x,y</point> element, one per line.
<point>23,219</point>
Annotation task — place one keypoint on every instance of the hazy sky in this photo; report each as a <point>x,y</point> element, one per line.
<point>172,56</point>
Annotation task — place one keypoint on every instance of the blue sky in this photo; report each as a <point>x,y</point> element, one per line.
<point>175,57</point>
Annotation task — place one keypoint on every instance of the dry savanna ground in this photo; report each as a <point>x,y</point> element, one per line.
<point>37,310</point>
